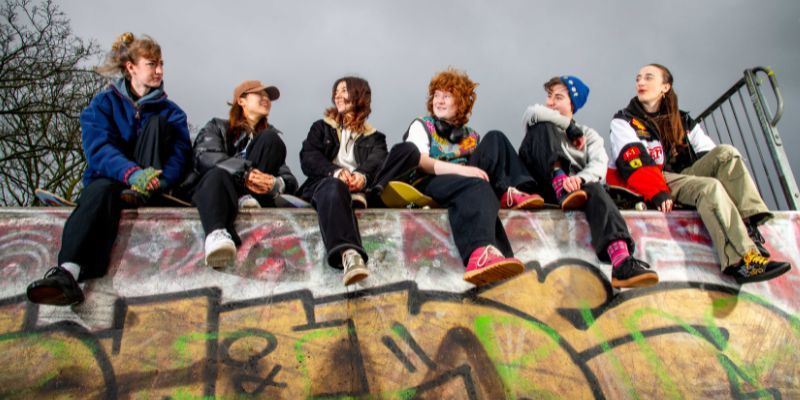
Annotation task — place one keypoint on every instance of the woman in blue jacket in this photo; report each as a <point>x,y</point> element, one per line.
<point>242,164</point>
<point>136,144</point>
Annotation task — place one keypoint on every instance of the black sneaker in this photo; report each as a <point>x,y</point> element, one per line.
<point>57,288</point>
<point>756,268</point>
<point>633,273</point>
<point>755,235</point>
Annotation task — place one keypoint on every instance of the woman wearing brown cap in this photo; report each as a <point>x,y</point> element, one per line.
<point>241,162</point>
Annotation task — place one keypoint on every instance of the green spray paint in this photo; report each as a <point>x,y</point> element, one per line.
<point>509,371</point>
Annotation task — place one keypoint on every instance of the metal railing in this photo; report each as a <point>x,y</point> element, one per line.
<point>747,125</point>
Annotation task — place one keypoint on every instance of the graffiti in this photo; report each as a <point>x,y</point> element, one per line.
<point>557,331</point>
<point>531,337</point>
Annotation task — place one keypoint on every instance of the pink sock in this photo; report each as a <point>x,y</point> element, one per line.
<point>618,252</point>
<point>558,182</point>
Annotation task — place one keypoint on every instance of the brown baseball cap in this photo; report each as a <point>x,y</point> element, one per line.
<point>255,86</point>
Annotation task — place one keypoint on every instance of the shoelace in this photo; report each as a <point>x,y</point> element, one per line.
<point>755,263</point>
<point>50,272</point>
<point>219,235</point>
<point>484,257</point>
<point>350,259</point>
<point>510,196</point>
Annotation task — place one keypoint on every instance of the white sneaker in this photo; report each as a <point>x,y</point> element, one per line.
<point>354,268</point>
<point>359,200</point>
<point>220,249</point>
<point>248,201</point>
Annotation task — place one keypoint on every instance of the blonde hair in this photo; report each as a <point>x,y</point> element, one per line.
<point>128,48</point>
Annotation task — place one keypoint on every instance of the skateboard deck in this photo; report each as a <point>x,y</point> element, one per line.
<point>174,200</point>
<point>626,199</point>
<point>51,199</point>
<point>289,201</point>
<point>399,194</point>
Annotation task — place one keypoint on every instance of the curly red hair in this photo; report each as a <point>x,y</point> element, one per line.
<point>460,86</point>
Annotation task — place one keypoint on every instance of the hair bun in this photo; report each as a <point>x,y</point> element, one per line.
<point>123,40</point>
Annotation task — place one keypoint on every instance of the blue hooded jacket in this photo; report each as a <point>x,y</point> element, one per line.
<point>112,122</point>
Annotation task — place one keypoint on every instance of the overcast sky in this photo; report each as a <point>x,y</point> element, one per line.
<point>509,47</point>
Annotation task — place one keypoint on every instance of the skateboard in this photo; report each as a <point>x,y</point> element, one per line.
<point>399,194</point>
<point>51,199</point>
<point>289,201</point>
<point>626,199</point>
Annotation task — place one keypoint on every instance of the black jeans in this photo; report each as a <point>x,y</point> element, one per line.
<point>337,220</point>
<point>91,229</point>
<point>540,149</point>
<point>497,157</point>
<point>217,194</point>
<point>472,203</point>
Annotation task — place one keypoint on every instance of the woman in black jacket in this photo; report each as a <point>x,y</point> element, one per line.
<point>241,162</point>
<point>342,155</point>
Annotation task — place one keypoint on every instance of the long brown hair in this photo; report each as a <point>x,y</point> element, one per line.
<point>237,123</point>
<point>460,86</point>
<point>128,48</point>
<point>668,121</point>
<point>360,97</point>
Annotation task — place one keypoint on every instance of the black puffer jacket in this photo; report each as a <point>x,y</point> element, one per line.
<point>322,145</point>
<point>212,149</point>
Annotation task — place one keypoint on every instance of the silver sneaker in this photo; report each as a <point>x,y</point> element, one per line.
<point>354,267</point>
<point>248,201</point>
<point>220,249</point>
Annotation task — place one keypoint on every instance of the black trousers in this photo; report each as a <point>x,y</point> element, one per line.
<point>217,194</point>
<point>337,220</point>
<point>540,149</point>
<point>472,204</point>
<point>499,159</point>
<point>91,229</point>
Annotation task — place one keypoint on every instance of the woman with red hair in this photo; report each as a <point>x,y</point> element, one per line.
<point>468,175</point>
<point>341,157</point>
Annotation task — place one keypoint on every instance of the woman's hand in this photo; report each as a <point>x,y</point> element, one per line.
<point>665,206</point>
<point>259,182</point>
<point>356,182</point>
<point>472,172</point>
<point>572,183</point>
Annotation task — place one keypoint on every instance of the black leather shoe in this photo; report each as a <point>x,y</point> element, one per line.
<point>57,288</point>
<point>633,273</point>
<point>756,268</point>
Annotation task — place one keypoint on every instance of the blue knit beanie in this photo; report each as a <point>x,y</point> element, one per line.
<point>578,91</point>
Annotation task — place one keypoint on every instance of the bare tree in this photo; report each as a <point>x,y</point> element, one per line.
<point>44,84</point>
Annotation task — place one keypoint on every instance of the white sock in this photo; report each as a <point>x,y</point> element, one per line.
<point>72,268</point>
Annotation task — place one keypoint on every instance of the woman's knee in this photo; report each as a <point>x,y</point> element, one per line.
<point>711,188</point>
<point>268,138</point>
<point>330,189</point>
<point>725,152</point>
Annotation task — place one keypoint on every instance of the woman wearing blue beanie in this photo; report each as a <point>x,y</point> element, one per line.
<point>569,162</point>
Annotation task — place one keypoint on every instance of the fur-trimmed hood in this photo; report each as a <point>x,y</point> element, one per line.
<point>368,129</point>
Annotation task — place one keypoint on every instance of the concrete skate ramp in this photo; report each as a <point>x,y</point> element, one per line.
<point>280,325</point>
